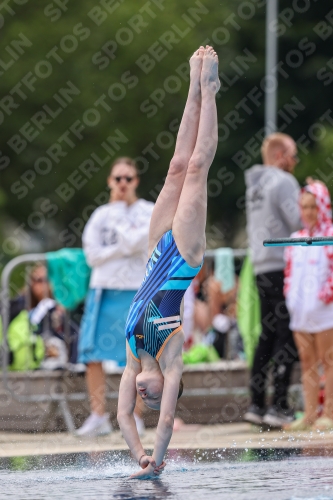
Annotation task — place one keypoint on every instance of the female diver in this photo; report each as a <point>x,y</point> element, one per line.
<point>176,248</point>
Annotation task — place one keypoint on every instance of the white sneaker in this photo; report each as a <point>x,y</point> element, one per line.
<point>139,425</point>
<point>95,425</point>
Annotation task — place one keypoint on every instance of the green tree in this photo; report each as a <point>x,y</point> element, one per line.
<point>82,84</point>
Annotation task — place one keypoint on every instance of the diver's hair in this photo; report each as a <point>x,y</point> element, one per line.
<point>181,388</point>
<point>128,161</point>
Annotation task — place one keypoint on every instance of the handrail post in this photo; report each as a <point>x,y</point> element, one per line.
<point>5,304</point>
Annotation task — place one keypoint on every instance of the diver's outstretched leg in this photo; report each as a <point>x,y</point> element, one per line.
<point>190,219</point>
<point>167,201</point>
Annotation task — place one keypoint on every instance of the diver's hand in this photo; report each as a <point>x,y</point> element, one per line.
<point>146,460</point>
<point>146,473</point>
<point>149,472</point>
<point>158,470</point>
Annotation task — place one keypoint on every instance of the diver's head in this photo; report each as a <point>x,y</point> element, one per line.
<point>149,386</point>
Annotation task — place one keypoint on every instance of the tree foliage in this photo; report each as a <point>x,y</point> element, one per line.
<point>84,82</point>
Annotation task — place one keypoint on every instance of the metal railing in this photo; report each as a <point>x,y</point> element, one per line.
<point>60,399</point>
<point>55,398</point>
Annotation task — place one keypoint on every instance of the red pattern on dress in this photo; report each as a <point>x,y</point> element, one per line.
<point>323,228</point>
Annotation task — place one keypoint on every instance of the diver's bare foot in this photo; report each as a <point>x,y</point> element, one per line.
<point>196,66</point>
<point>209,72</point>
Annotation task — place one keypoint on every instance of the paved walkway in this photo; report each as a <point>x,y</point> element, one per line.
<point>192,437</point>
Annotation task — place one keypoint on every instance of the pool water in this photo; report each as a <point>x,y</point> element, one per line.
<point>291,474</point>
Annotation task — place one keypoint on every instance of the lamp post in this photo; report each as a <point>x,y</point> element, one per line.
<point>271,67</point>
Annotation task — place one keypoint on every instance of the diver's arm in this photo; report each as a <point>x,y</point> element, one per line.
<point>165,423</point>
<point>126,405</point>
<point>164,429</point>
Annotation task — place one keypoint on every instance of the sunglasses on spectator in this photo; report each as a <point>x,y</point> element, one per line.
<point>127,178</point>
<point>39,280</point>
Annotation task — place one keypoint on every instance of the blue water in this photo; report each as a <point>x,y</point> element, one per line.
<point>230,475</point>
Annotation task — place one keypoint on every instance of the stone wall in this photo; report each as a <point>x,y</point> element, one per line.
<point>213,393</point>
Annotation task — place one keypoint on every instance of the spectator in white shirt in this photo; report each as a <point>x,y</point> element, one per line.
<point>115,242</point>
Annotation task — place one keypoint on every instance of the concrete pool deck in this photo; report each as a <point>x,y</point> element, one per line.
<point>228,436</point>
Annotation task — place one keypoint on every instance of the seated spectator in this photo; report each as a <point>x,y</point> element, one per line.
<point>309,298</point>
<point>47,320</point>
<point>215,315</point>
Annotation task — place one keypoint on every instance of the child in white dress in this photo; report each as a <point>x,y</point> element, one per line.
<point>309,298</point>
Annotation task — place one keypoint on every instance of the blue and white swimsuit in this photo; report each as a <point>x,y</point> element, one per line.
<point>154,315</point>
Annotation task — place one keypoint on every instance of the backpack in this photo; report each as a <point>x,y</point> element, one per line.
<point>26,349</point>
